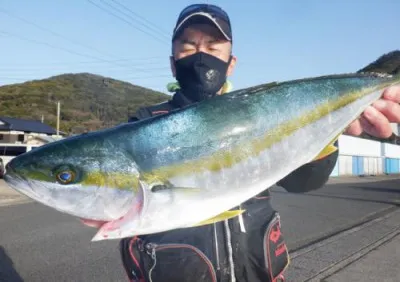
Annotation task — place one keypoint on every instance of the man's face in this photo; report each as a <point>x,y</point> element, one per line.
<point>202,38</point>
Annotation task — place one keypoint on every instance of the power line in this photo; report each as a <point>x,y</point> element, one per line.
<point>48,45</point>
<point>111,13</point>
<point>65,38</point>
<point>81,68</point>
<point>53,32</point>
<point>127,60</point>
<point>64,49</point>
<point>109,73</point>
<point>139,16</point>
<point>154,27</point>
<point>149,66</point>
<point>123,77</point>
<point>8,69</point>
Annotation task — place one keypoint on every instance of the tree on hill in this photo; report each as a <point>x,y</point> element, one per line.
<point>388,63</point>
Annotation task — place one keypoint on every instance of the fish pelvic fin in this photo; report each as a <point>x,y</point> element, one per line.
<point>221,217</point>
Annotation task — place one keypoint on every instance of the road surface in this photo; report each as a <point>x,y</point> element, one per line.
<point>40,244</point>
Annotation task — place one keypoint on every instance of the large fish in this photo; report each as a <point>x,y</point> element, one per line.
<point>195,165</point>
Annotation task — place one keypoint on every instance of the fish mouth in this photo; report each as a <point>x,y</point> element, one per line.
<point>18,182</point>
<point>10,177</point>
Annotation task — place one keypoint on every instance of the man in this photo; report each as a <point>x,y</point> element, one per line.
<point>250,247</point>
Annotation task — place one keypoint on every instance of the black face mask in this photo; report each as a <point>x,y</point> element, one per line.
<point>200,75</point>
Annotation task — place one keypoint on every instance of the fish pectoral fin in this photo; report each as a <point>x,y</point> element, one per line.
<point>162,188</point>
<point>221,217</point>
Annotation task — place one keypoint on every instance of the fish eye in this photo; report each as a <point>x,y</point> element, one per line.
<point>65,177</point>
<point>65,174</point>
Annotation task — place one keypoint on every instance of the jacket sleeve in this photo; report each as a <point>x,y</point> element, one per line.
<point>311,176</point>
<point>150,111</point>
<point>140,114</point>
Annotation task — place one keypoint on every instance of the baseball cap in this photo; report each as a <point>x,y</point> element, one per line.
<point>201,12</point>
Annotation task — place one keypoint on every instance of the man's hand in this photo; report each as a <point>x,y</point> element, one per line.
<point>376,118</point>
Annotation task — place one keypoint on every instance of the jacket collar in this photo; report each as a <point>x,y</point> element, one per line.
<point>179,100</point>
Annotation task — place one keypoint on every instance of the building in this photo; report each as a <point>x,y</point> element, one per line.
<point>22,131</point>
<point>362,157</point>
<point>18,136</point>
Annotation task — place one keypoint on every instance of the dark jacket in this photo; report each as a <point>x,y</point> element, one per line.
<point>250,247</point>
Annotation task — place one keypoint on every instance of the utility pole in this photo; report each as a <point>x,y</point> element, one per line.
<point>58,117</point>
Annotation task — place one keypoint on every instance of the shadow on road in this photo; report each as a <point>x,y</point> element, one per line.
<point>388,186</point>
<point>377,189</point>
<point>7,271</point>
<point>371,192</point>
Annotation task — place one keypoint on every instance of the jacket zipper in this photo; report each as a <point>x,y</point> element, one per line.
<point>216,247</point>
<point>230,251</point>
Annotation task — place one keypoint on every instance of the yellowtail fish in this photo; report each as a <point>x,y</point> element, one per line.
<point>195,165</point>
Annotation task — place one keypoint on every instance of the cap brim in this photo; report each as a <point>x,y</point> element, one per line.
<point>203,16</point>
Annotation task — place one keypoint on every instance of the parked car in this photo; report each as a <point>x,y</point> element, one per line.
<point>2,169</point>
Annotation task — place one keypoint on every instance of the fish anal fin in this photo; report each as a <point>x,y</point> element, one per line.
<point>221,217</point>
<point>326,152</point>
<point>328,149</point>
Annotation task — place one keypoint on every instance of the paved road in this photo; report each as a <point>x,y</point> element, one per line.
<point>40,244</point>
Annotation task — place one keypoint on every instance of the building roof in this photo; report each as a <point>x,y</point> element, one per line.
<point>17,124</point>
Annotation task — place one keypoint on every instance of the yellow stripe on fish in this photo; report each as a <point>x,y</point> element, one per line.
<point>226,159</point>
<point>122,181</point>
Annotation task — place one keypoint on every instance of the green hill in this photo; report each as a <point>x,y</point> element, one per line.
<point>388,63</point>
<point>88,102</point>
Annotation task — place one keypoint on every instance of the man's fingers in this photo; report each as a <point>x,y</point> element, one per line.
<point>354,128</point>
<point>390,109</point>
<point>367,126</point>
<point>375,123</point>
<point>392,94</point>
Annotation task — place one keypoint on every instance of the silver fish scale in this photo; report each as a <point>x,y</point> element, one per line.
<point>211,126</point>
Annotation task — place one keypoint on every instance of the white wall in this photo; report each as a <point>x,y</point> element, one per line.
<point>345,165</point>
<point>390,150</point>
<point>373,165</point>
<point>354,146</point>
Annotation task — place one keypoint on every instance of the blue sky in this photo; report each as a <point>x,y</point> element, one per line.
<point>273,40</point>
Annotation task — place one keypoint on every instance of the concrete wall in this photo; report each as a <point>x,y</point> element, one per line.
<point>365,157</point>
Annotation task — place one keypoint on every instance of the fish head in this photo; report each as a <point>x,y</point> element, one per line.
<point>88,176</point>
